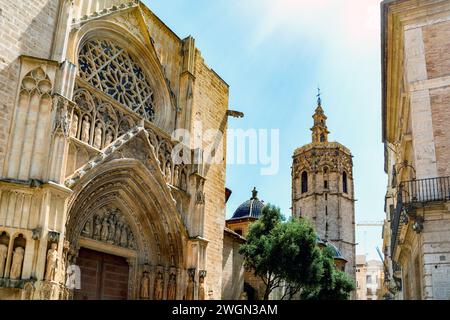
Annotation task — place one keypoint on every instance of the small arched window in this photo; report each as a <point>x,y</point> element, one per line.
<point>344,182</point>
<point>304,182</point>
<point>322,138</point>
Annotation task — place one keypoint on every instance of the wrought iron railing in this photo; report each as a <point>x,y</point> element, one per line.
<point>414,192</point>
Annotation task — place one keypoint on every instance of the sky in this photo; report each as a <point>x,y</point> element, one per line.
<point>274,54</point>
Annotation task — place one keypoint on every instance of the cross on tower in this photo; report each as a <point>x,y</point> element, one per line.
<point>319,99</point>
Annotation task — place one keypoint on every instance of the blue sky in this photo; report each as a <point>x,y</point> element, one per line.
<point>274,54</point>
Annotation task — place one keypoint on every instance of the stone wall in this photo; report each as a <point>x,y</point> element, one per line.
<point>233,268</point>
<point>210,107</point>
<point>26,28</point>
<point>440,102</point>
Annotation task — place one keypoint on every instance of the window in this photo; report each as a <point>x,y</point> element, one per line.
<point>111,69</point>
<point>325,184</point>
<point>368,279</point>
<point>322,138</point>
<point>344,182</point>
<point>304,183</point>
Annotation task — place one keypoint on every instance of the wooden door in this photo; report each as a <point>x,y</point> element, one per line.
<point>103,276</point>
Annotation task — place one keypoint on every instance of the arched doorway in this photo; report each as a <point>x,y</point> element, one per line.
<point>125,233</point>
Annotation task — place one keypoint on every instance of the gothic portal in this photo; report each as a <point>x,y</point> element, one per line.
<point>88,176</point>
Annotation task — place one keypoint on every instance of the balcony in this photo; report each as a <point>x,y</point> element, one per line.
<point>416,193</point>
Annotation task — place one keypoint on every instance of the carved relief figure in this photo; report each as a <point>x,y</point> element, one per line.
<point>105,225</point>
<point>118,232</point>
<point>85,127</point>
<point>183,182</point>
<point>190,286</point>
<point>176,174</point>
<point>52,262</point>
<point>200,196</point>
<point>159,286</point>
<point>16,266</point>
<point>87,228</point>
<point>145,286</point>
<point>168,173</point>
<point>172,287</point>
<point>3,254</point>
<point>97,228</point>
<point>124,237</point>
<point>112,228</point>
<point>201,285</point>
<point>98,136</point>
<point>108,138</point>
<point>74,125</point>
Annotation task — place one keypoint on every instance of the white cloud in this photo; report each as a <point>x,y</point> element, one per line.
<point>350,22</point>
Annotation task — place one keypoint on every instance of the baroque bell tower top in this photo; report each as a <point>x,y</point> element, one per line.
<point>319,130</point>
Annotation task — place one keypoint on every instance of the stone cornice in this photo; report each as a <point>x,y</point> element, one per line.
<point>322,146</point>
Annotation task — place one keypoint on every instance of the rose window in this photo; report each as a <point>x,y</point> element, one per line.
<point>112,70</point>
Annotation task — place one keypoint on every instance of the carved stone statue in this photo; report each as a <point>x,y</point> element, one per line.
<point>172,287</point>
<point>131,243</point>
<point>108,138</point>
<point>118,232</point>
<point>97,228</point>
<point>176,173</point>
<point>87,228</point>
<point>190,286</point>
<point>52,262</point>
<point>85,128</point>
<point>159,286</point>
<point>183,182</point>
<point>112,228</point>
<point>3,254</point>
<point>200,196</point>
<point>145,286</point>
<point>105,226</point>
<point>98,136</point>
<point>74,125</point>
<point>168,173</point>
<point>124,237</point>
<point>16,266</point>
<point>201,285</point>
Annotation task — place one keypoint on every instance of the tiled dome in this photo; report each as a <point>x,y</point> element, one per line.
<point>249,209</point>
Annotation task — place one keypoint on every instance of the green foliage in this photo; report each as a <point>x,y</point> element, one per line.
<point>334,284</point>
<point>286,252</point>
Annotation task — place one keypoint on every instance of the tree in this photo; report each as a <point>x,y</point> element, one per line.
<point>333,285</point>
<point>282,252</point>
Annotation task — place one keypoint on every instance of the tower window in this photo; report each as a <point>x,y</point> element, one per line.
<point>344,182</point>
<point>322,138</point>
<point>304,183</point>
<point>325,184</point>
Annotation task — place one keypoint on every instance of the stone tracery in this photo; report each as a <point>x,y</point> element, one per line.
<point>109,68</point>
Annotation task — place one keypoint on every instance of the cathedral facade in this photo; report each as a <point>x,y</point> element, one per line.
<point>90,173</point>
<point>322,189</point>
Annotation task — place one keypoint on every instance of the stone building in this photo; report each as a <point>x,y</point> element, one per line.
<point>369,278</point>
<point>416,134</point>
<point>322,189</point>
<point>90,94</point>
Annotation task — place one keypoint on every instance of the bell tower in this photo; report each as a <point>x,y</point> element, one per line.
<point>322,188</point>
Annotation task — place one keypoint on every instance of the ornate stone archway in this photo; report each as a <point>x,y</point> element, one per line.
<point>124,189</point>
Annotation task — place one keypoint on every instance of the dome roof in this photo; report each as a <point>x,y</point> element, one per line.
<point>249,209</point>
<point>336,253</point>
